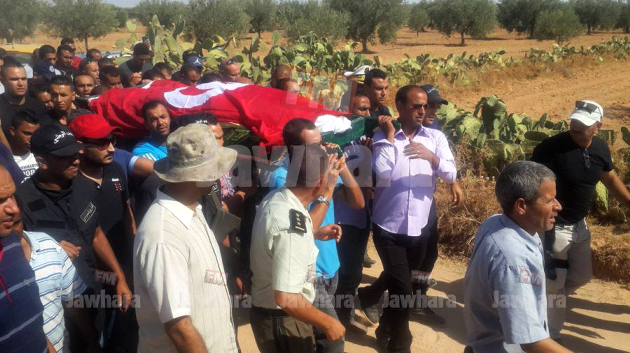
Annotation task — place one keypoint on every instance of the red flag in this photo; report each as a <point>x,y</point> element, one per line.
<point>263,110</point>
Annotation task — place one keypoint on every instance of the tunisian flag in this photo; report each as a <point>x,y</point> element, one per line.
<point>263,110</point>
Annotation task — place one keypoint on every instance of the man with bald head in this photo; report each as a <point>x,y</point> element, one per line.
<point>407,164</point>
<point>279,73</point>
<point>230,70</point>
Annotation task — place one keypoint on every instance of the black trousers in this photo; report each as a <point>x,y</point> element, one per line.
<point>399,254</point>
<point>431,254</point>
<point>351,249</point>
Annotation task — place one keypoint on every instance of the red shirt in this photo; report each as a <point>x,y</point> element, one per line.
<point>76,61</point>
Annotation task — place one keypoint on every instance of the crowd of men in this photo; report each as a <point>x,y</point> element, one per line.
<point>150,245</point>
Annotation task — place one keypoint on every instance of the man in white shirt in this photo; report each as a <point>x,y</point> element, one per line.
<point>23,125</point>
<point>178,270</point>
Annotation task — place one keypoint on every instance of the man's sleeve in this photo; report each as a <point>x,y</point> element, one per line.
<point>447,170</point>
<point>164,272</point>
<point>518,301</point>
<point>384,157</point>
<point>71,284</point>
<point>542,155</point>
<point>290,261</point>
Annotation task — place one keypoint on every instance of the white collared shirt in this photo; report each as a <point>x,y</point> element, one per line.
<point>178,271</point>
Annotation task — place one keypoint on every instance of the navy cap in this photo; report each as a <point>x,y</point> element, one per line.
<point>194,60</point>
<point>433,94</point>
<point>55,139</point>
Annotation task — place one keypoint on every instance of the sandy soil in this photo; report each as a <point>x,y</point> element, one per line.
<point>598,320</point>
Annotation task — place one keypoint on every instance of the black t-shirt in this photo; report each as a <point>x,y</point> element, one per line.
<point>64,215</point>
<point>69,71</point>
<point>575,183</point>
<point>127,69</point>
<point>8,110</point>
<point>112,200</point>
<point>381,110</point>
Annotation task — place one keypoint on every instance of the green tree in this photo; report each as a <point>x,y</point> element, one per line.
<point>624,18</point>
<point>597,13</point>
<point>80,19</point>
<point>121,16</point>
<point>372,18</point>
<point>476,18</point>
<point>419,18</point>
<point>18,19</point>
<point>521,15</point>
<point>168,11</point>
<point>300,18</point>
<point>261,14</point>
<point>209,18</point>
<point>561,25</point>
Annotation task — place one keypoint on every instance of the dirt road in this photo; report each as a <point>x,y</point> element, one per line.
<point>598,321</point>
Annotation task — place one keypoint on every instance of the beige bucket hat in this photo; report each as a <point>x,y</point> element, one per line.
<point>194,155</point>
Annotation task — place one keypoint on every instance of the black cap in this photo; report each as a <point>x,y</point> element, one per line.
<point>433,94</point>
<point>55,139</point>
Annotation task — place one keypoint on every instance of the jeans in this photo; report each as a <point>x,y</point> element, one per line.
<point>351,249</point>
<point>325,301</point>
<point>399,254</point>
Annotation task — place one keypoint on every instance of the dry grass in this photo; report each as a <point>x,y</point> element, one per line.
<point>458,225</point>
<point>611,253</point>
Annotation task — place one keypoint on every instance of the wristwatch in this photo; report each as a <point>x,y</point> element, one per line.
<point>323,199</point>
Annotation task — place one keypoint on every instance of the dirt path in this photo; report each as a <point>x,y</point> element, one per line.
<point>598,321</point>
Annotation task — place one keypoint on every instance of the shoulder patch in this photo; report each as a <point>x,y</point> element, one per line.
<point>298,221</point>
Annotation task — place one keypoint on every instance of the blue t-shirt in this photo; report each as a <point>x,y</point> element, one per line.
<point>150,149</point>
<point>327,259</point>
<point>126,159</point>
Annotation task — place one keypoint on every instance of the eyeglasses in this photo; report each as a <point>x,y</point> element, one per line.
<point>586,158</point>
<point>419,106</point>
<point>101,144</point>
<point>588,107</point>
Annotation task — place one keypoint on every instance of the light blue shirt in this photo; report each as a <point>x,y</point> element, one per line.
<point>57,280</point>
<point>327,259</point>
<point>504,288</point>
<point>150,149</point>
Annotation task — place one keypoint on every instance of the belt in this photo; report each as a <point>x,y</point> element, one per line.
<point>270,312</point>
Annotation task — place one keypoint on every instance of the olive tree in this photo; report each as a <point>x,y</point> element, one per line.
<point>261,14</point>
<point>597,13</point>
<point>521,15</point>
<point>561,25</point>
<point>18,19</point>
<point>209,18</point>
<point>418,18</point>
<point>475,18</point>
<point>300,18</point>
<point>168,11</point>
<point>80,19</point>
<point>369,19</point>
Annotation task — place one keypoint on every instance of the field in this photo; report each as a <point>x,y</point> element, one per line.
<point>601,313</point>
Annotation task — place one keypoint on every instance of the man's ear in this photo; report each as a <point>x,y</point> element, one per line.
<point>41,162</point>
<point>520,206</point>
<point>12,131</point>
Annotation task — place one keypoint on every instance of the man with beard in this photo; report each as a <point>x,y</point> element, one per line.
<point>158,121</point>
<point>100,173</point>
<point>84,84</point>
<point>65,57</point>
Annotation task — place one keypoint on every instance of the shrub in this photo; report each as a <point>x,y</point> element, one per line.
<point>476,18</point>
<point>561,25</point>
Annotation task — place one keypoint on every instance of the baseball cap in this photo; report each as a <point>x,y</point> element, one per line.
<point>44,68</point>
<point>55,139</point>
<point>92,126</point>
<point>587,112</point>
<point>194,60</point>
<point>433,94</point>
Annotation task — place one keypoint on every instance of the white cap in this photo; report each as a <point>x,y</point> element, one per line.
<point>360,71</point>
<point>587,112</point>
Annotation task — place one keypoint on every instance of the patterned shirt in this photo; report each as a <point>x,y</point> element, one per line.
<point>150,149</point>
<point>57,280</point>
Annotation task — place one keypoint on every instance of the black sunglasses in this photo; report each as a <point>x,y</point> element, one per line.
<point>101,144</point>
<point>588,107</point>
<point>586,159</point>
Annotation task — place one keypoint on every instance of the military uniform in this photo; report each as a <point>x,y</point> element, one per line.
<point>504,289</point>
<point>282,258</point>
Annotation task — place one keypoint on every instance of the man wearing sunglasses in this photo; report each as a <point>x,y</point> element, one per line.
<point>230,70</point>
<point>580,160</point>
<point>98,172</point>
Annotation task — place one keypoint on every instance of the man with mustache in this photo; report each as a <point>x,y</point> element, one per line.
<point>50,204</point>
<point>98,172</point>
<point>158,121</point>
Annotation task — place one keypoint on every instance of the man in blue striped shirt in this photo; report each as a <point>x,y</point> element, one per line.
<point>58,282</point>
<point>20,308</point>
